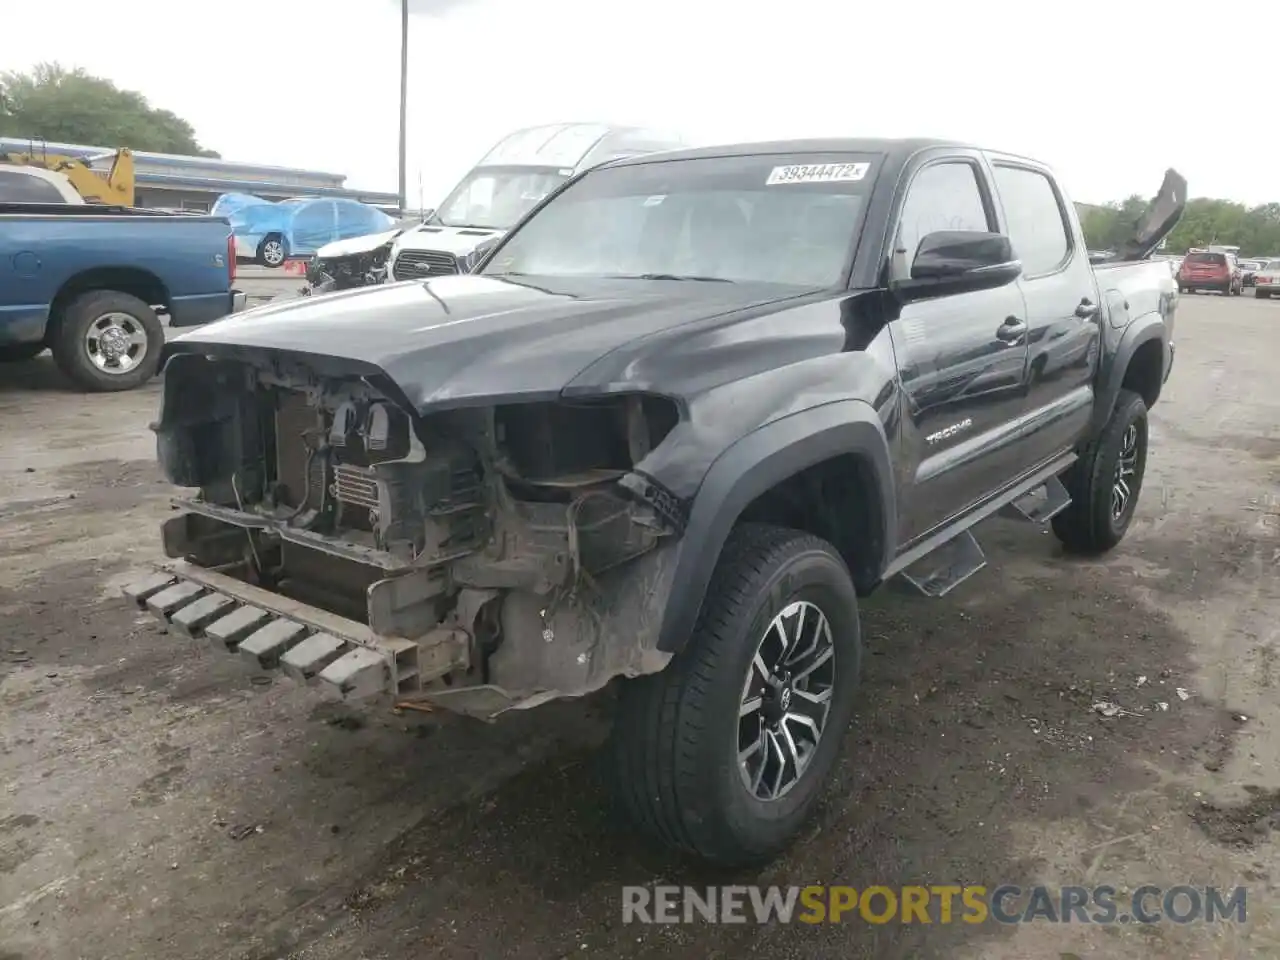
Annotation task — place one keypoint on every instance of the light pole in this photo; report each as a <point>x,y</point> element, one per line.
<point>404,94</point>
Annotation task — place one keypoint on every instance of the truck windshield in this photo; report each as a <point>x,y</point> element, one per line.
<point>495,198</point>
<point>788,220</point>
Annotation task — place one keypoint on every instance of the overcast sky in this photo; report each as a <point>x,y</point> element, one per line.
<point>1111,93</point>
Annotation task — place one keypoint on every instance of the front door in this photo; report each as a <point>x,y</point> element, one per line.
<point>961,371</point>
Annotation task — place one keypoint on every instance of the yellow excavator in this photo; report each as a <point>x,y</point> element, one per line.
<point>114,187</point>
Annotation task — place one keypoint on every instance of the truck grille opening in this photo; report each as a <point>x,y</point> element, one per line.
<point>356,486</point>
<point>418,264</point>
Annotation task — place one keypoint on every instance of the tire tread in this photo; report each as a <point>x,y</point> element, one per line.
<point>1083,527</point>
<point>654,767</point>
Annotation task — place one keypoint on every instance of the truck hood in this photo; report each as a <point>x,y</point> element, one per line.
<point>458,241</point>
<point>353,245</point>
<point>465,340</point>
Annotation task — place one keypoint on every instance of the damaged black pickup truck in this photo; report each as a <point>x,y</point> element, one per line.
<point>677,422</point>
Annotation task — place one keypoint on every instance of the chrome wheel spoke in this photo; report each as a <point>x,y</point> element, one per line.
<point>811,705</point>
<point>755,747</point>
<point>819,659</point>
<point>782,768</point>
<point>757,779</point>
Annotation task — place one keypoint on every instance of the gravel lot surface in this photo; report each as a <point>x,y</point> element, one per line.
<point>159,800</point>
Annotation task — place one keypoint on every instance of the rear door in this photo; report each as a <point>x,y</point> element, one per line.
<point>962,381</point>
<point>1062,315</point>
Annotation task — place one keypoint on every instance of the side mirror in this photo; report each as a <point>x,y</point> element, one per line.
<point>958,261</point>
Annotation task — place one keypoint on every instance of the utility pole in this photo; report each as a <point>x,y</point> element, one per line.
<point>404,94</point>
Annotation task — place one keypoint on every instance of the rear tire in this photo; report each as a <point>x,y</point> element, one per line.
<point>18,352</point>
<point>1095,522</point>
<point>271,251</point>
<point>97,331</point>
<point>677,761</point>
<point>1261,294</point>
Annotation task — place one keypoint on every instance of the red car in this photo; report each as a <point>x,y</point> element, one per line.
<point>1210,271</point>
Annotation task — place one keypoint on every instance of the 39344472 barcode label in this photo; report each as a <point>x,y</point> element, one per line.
<point>818,173</point>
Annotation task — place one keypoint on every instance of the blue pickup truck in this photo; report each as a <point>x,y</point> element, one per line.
<point>90,283</point>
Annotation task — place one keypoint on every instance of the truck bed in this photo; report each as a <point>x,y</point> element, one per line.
<point>91,211</point>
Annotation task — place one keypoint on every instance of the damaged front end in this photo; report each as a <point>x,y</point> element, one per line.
<point>481,559</point>
<point>346,271</point>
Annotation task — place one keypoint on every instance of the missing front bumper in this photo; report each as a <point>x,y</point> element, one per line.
<point>343,657</point>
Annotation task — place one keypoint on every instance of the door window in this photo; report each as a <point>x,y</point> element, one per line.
<point>943,196</point>
<point>1037,229</point>
<point>19,187</point>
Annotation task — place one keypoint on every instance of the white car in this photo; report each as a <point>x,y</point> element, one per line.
<point>507,183</point>
<point>23,184</point>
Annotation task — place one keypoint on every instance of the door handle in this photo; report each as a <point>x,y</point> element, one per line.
<point>1011,331</point>
<point>1087,309</point>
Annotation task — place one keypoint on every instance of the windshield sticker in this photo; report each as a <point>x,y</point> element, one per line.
<point>818,173</point>
<point>655,200</point>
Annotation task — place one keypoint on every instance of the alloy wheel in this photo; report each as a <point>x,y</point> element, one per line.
<point>786,700</point>
<point>1126,469</point>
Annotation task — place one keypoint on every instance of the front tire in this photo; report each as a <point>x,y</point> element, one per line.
<point>1105,482</point>
<point>724,753</point>
<point>1261,294</point>
<point>271,251</point>
<point>108,341</point>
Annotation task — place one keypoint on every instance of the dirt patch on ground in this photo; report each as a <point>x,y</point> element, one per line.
<point>1242,825</point>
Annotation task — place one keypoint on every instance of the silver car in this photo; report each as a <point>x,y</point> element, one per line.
<point>1267,280</point>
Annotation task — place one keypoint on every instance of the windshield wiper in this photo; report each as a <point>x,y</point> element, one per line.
<point>666,276</point>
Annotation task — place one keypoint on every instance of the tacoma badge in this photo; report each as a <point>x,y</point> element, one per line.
<point>948,432</point>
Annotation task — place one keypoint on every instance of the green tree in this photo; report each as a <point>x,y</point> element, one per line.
<point>1106,227</point>
<point>65,105</point>
<point>1255,230</point>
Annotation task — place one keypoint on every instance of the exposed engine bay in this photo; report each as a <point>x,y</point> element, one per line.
<point>495,541</point>
<point>366,268</point>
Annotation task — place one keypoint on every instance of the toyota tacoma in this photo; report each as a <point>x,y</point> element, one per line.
<point>679,420</point>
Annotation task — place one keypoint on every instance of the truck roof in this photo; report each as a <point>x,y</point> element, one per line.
<point>895,149</point>
<point>570,144</point>
<point>809,145</point>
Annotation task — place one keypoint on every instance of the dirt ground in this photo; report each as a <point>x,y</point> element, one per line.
<point>157,799</point>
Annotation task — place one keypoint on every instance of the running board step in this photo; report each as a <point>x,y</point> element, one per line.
<point>938,573</point>
<point>1040,504</point>
<point>341,657</point>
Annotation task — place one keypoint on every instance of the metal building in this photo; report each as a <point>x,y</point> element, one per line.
<point>194,183</point>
